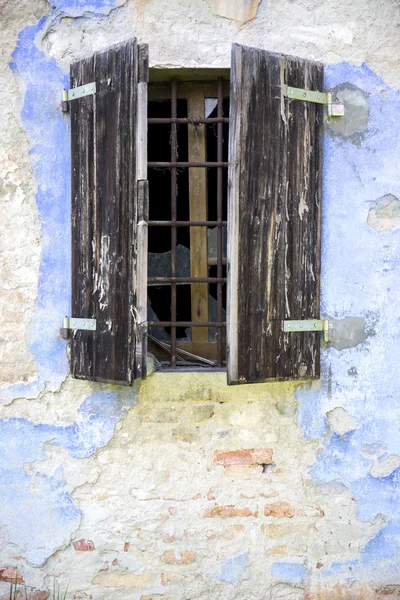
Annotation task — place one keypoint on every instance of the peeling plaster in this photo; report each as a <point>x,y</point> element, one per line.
<point>241,11</point>
<point>336,454</point>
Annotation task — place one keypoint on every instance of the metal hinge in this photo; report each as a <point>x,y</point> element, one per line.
<point>74,324</point>
<point>79,92</point>
<point>308,325</point>
<point>334,110</point>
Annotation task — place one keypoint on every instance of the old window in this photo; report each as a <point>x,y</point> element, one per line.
<point>273,217</point>
<point>188,160</point>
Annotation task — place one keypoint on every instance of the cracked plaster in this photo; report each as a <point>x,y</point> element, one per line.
<point>62,439</point>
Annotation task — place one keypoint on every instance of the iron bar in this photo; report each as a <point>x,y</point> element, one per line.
<point>174,279</point>
<point>185,223</point>
<point>219,217</point>
<point>187,121</point>
<point>181,165</point>
<point>174,324</point>
<point>174,190</point>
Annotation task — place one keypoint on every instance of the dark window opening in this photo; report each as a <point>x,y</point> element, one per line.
<point>188,127</point>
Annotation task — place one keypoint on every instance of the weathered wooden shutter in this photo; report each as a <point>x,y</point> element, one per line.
<point>109,271</point>
<point>274,217</point>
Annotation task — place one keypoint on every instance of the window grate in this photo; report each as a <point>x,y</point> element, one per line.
<point>173,165</point>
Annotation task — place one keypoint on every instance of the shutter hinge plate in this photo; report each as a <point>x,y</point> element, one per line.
<point>79,92</point>
<point>74,324</point>
<point>334,110</point>
<point>308,325</point>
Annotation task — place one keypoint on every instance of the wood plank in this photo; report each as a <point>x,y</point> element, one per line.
<point>198,212</point>
<point>142,214</point>
<point>104,219</point>
<point>82,189</point>
<point>274,247</point>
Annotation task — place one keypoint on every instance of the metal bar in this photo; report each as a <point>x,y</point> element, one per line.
<point>180,165</point>
<point>174,279</point>
<point>187,121</point>
<point>174,191</point>
<point>186,223</point>
<point>219,217</point>
<point>174,324</point>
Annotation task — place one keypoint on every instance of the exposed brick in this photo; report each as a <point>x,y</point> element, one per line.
<point>84,546</point>
<point>31,594</point>
<point>126,546</point>
<point>388,592</point>
<point>278,550</point>
<point>230,511</point>
<point>185,557</point>
<point>244,457</point>
<point>232,531</point>
<point>279,510</point>
<point>11,574</point>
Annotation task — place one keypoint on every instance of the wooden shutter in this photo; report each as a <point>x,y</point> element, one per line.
<point>108,142</point>
<point>274,217</point>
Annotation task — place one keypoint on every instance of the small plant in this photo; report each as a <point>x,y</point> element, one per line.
<point>17,594</point>
<point>57,593</point>
<point>14,591</point>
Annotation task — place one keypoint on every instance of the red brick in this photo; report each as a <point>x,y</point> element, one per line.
<point>388,592</point>
<point>126,547</point>
<point>244,457</point>
<point>11,574</point>
<point>186,557</point>
<point>230,511</point>
<point>31,594</point>
<point>83,546</point>
<point>279,510</point>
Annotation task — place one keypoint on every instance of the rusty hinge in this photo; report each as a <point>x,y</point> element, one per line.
<point>308,325</point>
<point>72,324</point>
<point>79,92</point>
<point>334,109</point>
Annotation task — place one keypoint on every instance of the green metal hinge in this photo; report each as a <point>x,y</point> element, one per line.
<point>79,92</point>
<point>334,110</point>
<point>72,324</point>
<point>308,325</point>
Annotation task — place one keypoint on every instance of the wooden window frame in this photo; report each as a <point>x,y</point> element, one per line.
<point>194,87</point>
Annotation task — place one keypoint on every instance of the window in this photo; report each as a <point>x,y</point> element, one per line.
<point>273,218</point>
<point>188,125</point>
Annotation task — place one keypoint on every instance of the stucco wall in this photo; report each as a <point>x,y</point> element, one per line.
<point>181,487</point>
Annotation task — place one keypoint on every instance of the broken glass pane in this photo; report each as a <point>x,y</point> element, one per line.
<point>159,263</point>
<point>210,105</point>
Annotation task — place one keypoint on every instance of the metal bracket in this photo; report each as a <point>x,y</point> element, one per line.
<point>78,92</point>
<point>334,110</point>
<point>74,324</point>
<point>308,325</point>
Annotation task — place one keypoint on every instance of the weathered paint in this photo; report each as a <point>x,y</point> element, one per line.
<point>131,476</point>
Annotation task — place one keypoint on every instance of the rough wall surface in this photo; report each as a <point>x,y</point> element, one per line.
<point>183,488</point>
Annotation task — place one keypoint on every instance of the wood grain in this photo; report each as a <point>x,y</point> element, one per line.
<point>274,217</point>
<point>104,214</point>
<point>198,212</point>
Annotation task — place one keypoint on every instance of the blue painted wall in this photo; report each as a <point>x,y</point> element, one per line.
<point>360,278</point>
